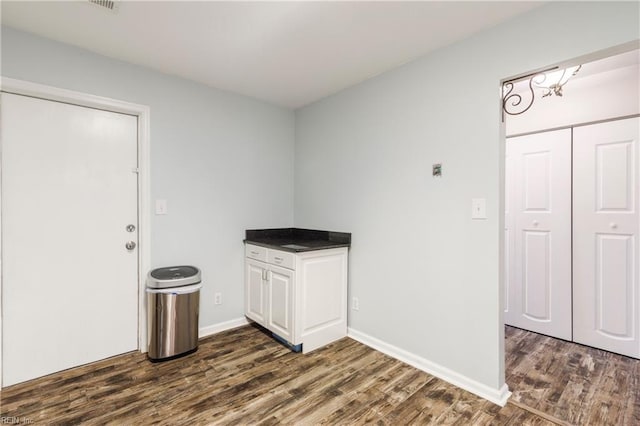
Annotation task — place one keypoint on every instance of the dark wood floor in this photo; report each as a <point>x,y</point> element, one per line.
<point>244,377</point>
<point>575,383</point>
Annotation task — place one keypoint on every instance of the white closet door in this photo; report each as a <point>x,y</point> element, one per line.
<point>605,228</point>
<point>509,240</point>
<point>69,285</point>
<point>539,182</point>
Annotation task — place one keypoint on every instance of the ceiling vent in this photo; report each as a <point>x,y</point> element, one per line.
<point>110,5</point>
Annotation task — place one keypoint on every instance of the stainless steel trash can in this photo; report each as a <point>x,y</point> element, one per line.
<point>173,305</point>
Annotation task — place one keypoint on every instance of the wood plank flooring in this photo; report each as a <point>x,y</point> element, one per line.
<point>571,382</point>
<point>244,377</point>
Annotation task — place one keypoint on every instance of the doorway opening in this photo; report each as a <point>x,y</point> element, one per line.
<point>565,156</point>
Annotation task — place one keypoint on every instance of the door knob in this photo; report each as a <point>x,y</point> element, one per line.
<point>535,223</point>
<point>131,228</point>
<point>130,245</point>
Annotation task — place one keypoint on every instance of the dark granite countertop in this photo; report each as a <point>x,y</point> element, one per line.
<point>296,239</point>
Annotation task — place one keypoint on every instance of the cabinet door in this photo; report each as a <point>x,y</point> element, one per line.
<point>606,293</point>
<point>280,302</point>
<point>255,289</point>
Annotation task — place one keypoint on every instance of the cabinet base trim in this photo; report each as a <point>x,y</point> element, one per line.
<point>221,326</point>
<point>294,348</point>
<point>497,396</point>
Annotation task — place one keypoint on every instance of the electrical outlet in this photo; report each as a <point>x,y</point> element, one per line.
<point>217,298</point>
<point>355,304</point>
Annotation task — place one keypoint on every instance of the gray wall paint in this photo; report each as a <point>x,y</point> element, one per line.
<point>426,275</point>
<point>224,162</point>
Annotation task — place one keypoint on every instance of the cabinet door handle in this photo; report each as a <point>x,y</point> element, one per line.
<point>265,275</point>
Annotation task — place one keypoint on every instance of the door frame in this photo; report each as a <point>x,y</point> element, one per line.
<point>142,112</point>
<point>502,138</point>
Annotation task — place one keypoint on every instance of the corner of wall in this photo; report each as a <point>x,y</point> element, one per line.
<point>498,396</point>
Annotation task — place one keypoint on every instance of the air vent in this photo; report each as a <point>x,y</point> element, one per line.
<point>111,5</point>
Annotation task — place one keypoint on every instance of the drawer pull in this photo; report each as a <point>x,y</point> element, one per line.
<point>255,253</point>
<point>278,259</point>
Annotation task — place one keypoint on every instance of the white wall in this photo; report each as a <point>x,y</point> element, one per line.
<point>426,275</point>
<point>602,96</point>
<point>224,162</point>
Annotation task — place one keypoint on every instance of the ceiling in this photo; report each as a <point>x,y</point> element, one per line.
<point>285,53</point>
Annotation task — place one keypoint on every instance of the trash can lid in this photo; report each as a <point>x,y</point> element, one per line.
<point>173,276</point>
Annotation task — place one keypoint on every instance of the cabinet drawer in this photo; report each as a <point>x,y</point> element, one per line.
<point>256,252</point>
<point>281,258</point>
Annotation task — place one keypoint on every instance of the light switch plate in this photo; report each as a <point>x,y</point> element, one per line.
<point>478,208</point>
<point>161,206</point>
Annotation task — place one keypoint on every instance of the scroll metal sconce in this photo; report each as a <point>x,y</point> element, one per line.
<point>551,81</point>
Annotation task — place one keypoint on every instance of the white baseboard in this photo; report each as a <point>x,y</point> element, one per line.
<point>222,326</point>
<point>497,396</point>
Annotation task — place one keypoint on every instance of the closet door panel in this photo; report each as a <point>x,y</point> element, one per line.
<point>536,280</point>
<point>509,242</point>
<point>538,179</point>
<point>605,229</point>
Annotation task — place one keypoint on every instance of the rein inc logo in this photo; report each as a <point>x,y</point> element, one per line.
<point>13,420</point>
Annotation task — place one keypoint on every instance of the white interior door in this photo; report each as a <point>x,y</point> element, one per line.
<point>70,290</point>
<point>539,192</point>
<point>605,228</point>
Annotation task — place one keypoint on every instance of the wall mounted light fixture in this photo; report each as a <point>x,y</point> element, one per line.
<point>551,82</point>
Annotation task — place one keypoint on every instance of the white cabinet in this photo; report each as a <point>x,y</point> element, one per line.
<point>301,297</point>
<point>269,297</point>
